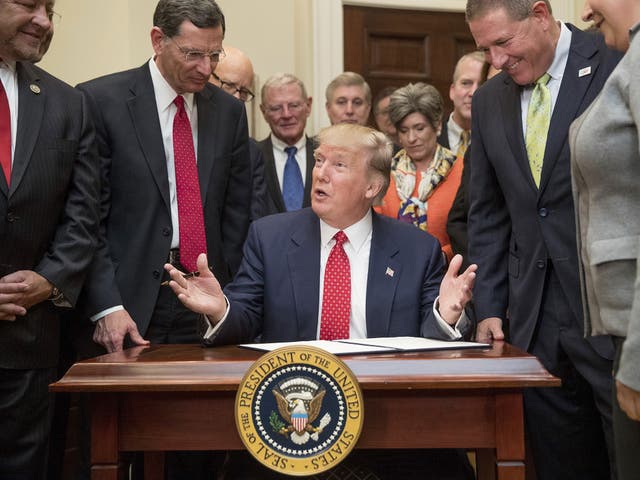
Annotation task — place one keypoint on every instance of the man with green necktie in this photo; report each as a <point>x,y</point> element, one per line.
<point>522,226</point>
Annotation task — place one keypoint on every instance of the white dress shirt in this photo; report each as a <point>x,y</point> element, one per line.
<point>555,71</point>
<point>453,133</point>
<point>165,95</point>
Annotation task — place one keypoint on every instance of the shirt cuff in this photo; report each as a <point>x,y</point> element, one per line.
<point>214,328</point>
<point>106,312</point>
<point>450,330</point>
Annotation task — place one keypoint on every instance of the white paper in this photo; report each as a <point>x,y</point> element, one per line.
<point>371,345</point>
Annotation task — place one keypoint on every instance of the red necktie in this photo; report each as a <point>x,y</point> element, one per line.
<point>5,135</point>
<point>336,296</point>
<point>190,217</point>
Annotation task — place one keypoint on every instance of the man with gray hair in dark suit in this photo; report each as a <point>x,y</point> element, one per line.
<point>288,152</point>
<point>49,191</point>
<point>176,181</point>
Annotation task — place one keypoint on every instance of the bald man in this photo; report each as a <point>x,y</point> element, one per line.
<point>234,75</point>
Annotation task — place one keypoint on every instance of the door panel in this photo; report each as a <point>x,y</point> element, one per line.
<point>393,47</point>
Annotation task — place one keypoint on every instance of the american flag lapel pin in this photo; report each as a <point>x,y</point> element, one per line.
<point>389,272</point>
<point>583,72</point>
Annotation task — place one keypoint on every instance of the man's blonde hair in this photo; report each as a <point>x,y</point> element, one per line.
<point>374,145</point>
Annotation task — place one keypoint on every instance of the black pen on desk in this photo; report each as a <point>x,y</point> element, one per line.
<point>184,275</point>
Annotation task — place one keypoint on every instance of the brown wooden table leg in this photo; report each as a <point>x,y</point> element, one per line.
<point>510,436</point>
<point>104,437</point>
<point>486,464</point>
<point>153,465</point>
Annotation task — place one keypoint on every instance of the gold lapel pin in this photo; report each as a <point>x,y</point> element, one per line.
<point>34,88</point>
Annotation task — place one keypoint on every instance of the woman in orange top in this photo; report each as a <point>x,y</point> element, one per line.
<point>424,175</point>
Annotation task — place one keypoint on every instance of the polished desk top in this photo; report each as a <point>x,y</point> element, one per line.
<point>195,368</point>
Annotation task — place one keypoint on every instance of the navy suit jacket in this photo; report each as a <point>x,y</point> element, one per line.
<point>515,228</point>
<point>136,217</point>
<point>49,216</point>
<point>274,200</point>
<point>275,293</point>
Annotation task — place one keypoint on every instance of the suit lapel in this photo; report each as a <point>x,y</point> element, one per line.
<point>30,114</point>
<point>144,117</point>
<point>306,202</point>
<point>382,265</point>
<point>208,125</point>
<point>582,54</point>
<point>511,108</point>
<point>271,175</point>
<point>304,271</point>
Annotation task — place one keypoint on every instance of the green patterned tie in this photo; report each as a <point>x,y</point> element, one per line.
<point>538,118</point>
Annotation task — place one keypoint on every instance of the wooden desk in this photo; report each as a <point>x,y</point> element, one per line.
<point>181,397</point>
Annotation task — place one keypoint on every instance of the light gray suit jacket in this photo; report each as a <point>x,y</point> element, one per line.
<point>605,167</point>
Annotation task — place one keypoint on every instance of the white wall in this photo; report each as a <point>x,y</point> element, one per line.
<point>303,37</point>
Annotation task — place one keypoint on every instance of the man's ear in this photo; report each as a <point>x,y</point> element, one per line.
<point>540,12</point>
<point>157,37</point>
<point>374,187</point>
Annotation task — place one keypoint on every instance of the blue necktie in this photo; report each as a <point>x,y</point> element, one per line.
<point>292,187</point>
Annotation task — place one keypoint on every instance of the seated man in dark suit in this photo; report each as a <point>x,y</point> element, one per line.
<point>287,279</point>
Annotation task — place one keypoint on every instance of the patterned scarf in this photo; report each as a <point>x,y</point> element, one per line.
<point>414,209</point>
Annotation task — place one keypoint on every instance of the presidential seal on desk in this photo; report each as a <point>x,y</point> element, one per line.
<point>299,410</point>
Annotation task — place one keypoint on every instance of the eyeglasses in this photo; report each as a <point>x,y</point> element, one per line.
<point>194,56</point>
<point>231,88</point>
<point>294,108</point>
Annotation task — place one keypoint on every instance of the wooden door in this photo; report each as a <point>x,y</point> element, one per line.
<point>393,47</point>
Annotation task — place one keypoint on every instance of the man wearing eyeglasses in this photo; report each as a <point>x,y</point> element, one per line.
<point>49,188</point>
<point>288,152</point>
<point>234,75</point>
<point>175,180</point>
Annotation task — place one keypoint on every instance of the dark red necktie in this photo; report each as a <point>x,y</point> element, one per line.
<point>336,296</point>
<point>190,217</point>
<point>5,135</point>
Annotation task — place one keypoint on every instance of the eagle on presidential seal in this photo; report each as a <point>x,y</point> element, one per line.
<point>299,402</point>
